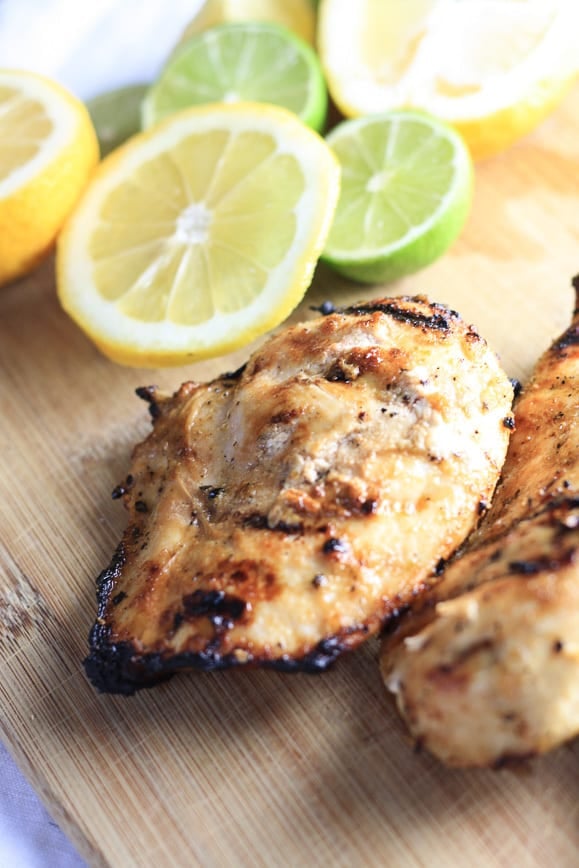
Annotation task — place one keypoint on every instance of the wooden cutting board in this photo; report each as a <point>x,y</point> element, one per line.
<point>255,768</point>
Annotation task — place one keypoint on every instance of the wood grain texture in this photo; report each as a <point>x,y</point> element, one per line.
<point>255,768</point>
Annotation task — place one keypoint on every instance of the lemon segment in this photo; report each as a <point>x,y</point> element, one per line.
<point>48,149</point>
<point>405,195</point>
<point>199,235</point>
<point>492,69</point>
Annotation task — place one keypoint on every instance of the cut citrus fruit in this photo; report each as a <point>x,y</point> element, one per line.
<point>247,61</point>
<point>406,192</point>
<point>116,115</point>
<point>48,149</point>
<point>492,68</point>
<point>297,15</point>
<point>199,235</point>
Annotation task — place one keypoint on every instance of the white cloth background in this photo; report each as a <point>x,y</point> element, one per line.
<point>29,838</point>
<point>89,47</point>
<point>92,46</point>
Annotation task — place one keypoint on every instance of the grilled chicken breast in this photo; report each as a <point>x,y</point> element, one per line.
<point>485,668</point>
<point>279,515</point>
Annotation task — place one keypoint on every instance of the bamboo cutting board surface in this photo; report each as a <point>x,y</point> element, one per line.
<point>255,768</point>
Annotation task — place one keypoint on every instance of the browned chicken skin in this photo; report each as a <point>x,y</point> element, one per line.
<point>485,668</point>
<point>279,515</point>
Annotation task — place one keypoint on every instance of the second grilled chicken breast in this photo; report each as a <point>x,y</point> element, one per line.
<point>279,515</point>
<point>485,667</point>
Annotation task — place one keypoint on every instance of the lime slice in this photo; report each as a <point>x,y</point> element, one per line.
<point>116,115</point>
<point>241,62</point>
<point>406,192</point>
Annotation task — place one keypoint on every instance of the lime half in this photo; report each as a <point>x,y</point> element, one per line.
<point>116,115</point>
<point>241,62</point>
<point>406,192</point>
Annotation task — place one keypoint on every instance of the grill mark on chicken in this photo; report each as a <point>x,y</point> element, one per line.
<point>234,375</point>
<point>439,319</point>
<point>222,609</point>
<point>545,563</point>
<point>260,481</point>
<point>515,589</point>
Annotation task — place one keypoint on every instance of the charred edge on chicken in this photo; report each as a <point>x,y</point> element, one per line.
<point>116,667</point>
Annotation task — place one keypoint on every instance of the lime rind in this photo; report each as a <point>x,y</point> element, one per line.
<point>241,62</point>
<point>406,194</point>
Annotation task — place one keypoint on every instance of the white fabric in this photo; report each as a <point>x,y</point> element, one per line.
<point>89,47</point>
<point>28,836</point>
<point>95,45</point>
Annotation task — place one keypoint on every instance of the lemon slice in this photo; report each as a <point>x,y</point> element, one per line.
<point>406,192</point>
<point>241,62</point>
<point>48,149</point>
<point>199,235</point>
<point>493,68</point>
<point>297,15</point>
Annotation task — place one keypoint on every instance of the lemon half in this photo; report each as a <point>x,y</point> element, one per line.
<point>48,149</point>
<point>492,68</point>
